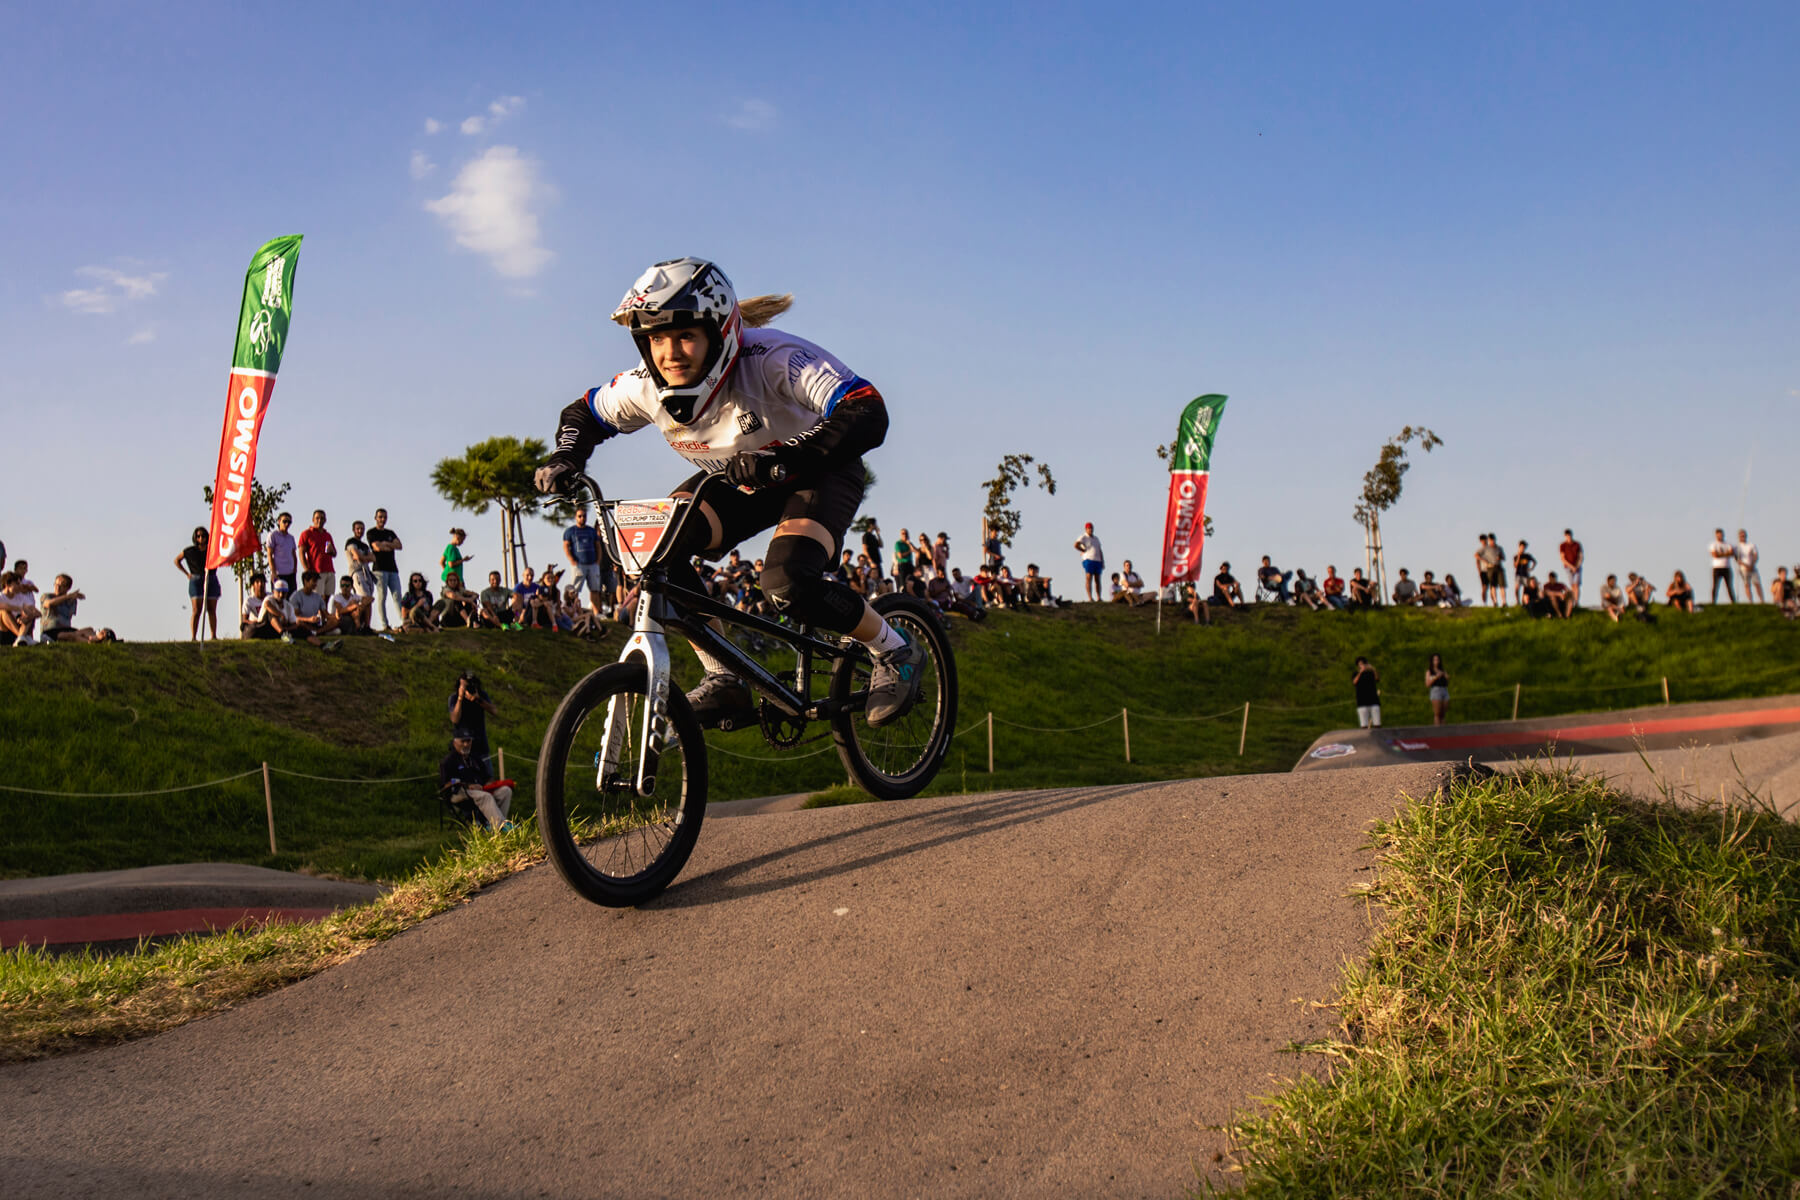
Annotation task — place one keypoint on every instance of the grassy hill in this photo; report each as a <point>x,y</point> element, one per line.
<point>130,718</point>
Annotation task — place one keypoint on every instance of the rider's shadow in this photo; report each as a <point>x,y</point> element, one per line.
<point>936,827</point>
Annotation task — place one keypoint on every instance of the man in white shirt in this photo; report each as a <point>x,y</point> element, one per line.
<point>1748,576</point>
<point>1133,584</point>
<point>1093,562</point>
<point>1723,555</point>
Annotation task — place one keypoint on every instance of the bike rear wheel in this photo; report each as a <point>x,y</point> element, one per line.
<point>899,759</point>
<point>611,844</point>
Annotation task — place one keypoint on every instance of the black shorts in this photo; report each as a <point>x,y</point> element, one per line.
<point>831,500</point>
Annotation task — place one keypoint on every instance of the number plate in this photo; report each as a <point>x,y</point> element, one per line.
<point>639,525</point>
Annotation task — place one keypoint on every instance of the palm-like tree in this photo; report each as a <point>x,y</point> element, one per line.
<point>499,472</point>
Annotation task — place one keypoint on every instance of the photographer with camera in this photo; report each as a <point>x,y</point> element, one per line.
<point>469,709</point>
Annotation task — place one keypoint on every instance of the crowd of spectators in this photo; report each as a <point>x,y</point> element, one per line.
<point>30,616</point>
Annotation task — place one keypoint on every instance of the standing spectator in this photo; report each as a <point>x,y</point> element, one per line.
<point>1680,592</point>
<point>1612,598</point>
<point>203,582</point>
<point>1333,587</point>
<point>58,608</point>
<point>872,544</point>
<point>1437,689</point>
<point>470,707</point>
<point>1093,562</point>
<point>453,557</point>
<point>1748,576</point>
<point>1495,564</point>
<point>1524,563</point>
<point>940,555</point>
<point>1723,555</point>
<point>362,562</point>
<point>1487,556</point>
<point>1782,592</point>
<point>1572,557</point>
<point>318,552</point>
<point>581,546</point>
<point>903,561</point>
<point>384,543</point>
<point>465,775</point>
<point>1559,598</point>
<point>991,557</point>
<point>18,615</point>
<point>923,559</point>
<point>1366,683</point>
<point>284,554</point>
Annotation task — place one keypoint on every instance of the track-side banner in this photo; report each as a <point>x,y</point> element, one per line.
<point>1184,528</point>
<point>261,337</point>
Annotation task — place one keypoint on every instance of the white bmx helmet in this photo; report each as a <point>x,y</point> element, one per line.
<point>685,293</point>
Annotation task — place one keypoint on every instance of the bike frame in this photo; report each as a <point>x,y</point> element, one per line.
<point>662,606</point>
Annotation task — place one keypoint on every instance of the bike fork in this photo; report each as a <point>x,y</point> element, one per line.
<point>650,646</point>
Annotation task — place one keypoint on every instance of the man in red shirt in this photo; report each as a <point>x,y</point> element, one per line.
<point>1571,561</point>
<point>318,552</point>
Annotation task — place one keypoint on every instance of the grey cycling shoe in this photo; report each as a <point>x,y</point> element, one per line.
<point>723,701</point>
<point>894,684</point>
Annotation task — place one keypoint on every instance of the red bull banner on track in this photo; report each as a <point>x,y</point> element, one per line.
<point>1190,464</point>
<point>261,337</point>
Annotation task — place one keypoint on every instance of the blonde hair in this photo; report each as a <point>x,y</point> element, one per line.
<point>760,310</point>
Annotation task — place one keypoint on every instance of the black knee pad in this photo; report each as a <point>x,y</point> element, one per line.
<point>793,577</point>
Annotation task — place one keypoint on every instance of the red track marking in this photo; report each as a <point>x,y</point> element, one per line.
<point>1617,729</point>
<point>119,927</point>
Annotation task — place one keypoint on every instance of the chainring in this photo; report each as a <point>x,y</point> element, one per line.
<point>778,729</point>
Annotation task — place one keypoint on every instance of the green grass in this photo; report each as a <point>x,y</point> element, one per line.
<point>1572,993</point>
<point>143,717</point>
<point>53,1003</point>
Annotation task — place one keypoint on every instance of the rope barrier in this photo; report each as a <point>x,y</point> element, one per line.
<point>770,757</point>
<point>189,787</point>
<point>338,779</point>
<point>1230,712</point>
<point>1069,729</point>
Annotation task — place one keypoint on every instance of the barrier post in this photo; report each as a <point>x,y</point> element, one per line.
<point>1516,688</point>
<point>990,743</point>
<point>1665,689</point>
<point>1125,716</point>
<point>269,806</point>
<point>500,754</point>
<point>1244,733</point>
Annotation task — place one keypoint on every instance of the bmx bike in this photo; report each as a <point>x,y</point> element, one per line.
<point>622,776</point>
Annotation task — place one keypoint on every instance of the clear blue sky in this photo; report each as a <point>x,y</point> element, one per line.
<point>1561,236</point>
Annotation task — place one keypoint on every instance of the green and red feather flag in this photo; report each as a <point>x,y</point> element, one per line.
<point>1190,463</point>
<point>261,337</point>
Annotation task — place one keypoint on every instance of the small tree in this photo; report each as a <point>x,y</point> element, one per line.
<point>1380,491</point>
<point>499,472</point>
<point>999,519</point>
<point>265,503</point>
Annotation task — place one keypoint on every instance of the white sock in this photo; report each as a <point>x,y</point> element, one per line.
<point>886,638</point>
<point>712,664</point>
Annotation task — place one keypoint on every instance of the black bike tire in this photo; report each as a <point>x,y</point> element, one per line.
<point>585,698</point>
<point>845,726</point>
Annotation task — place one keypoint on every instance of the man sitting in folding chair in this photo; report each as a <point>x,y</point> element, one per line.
<point>464,781</point>
<point>1272,583</point>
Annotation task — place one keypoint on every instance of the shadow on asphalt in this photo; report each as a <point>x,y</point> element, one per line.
<point>936,828</point>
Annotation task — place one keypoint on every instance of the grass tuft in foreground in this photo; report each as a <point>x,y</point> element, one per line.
<point>1572,993</point>
<point>53,1003</point>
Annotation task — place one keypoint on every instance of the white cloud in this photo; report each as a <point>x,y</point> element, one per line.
<point>498,111</point>
<point>751,114</point>
<point>114,290</point>
<point>432,125</point>
<point>142,337</point>
<point>421,165</point>
<point>491,209</point>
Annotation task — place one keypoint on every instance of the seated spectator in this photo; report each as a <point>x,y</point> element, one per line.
<point>1431,592</point>
<point>258,620</point>
<point>1453,597</point>
<point>1638,591</point>
<point>496,609</point>
<point>1531,596</point>
<point>1197,607</point>
<point>1405,590</point>
<point>1680,593</point>
<point>415,606</point>
<point>278,612</point>
<point>968,590</point>
<point>350,611</point>
<point>1037,587</point>
<point>1226,592</point>
<point>1116,590</point>
<point>58,607</point>
<point>582,622</point>
<point>1133,583</point>
<point>1559,601</point>
<point>1362,591</point>
<point>1008,589</point>
<point>310,608</point>
<point>1306,591</point>
<point>528,602</point>
<point>1612,598</point>
<point>456,604</point>
<point>1333,588</point>
<point>18,615</point>
<point>463,775</point>
<point>1274,579</point>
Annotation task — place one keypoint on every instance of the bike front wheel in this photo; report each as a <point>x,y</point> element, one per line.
<point>615,843</point>
<point>899,759</point>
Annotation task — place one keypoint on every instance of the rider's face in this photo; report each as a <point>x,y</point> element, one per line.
<point>678,355</point>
